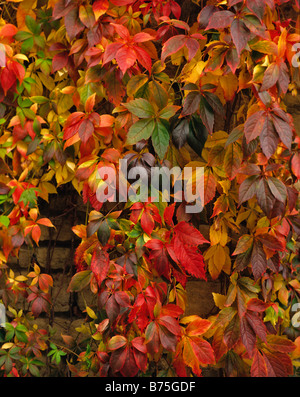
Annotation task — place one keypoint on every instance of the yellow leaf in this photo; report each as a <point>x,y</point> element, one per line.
<point>226,184</point>
<point>192,71</point>
<point>220,256</point>
<point>217,138</point>
<point>220,260</point>
<point>229,84</point>
<point>37,269</point>
<point>21,278</point>
<point>219,300</point>
<point>283,295</point>
<point>7,345</point>
<point>227,266</point>
<point>278,282</point>
<point>77,185</point>
<point>218,234</point>
<point>189,319</point>
<point>91,313</point>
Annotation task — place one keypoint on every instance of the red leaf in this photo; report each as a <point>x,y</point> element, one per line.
<point>284,131</point>
<point>280,344</point>
<point>122,2</point>
<point>73,24</point>
<point>143,58</point>
<point>139,344</point>
<point>85,130</point>
<point>265,198</point>
<point>191,103</point>
<point>254,125</point>
<point>258,367</point>
<point>147,222</point>
<point>190,259</point>
<point>59,61</point>
<point>168,214</point>
<point>296,164</point>
<point>171,324</point>
<point>110,52</point>
<point>248,336</point>
<point>271,76</point>
<point>232,59</point>
<point>202,350</point>
<point>45,280</point>
<point>188,234</point>
<point>284,77</point>
<point>122,298</point>
<point>100,264</point>
<point>205,15</point>
<point>7,79</point>
<point>271,242</point>
<point>268,138</point>
<point>130,368</point>
<point>218,344</point>
<point>168,340</point>
<point>172,45</point>
<point>198,327</point>
<point>257,325</point>
<point>210,187</point>
<point>256,305</point>
<point>220,20</point>
<point>8,30</point>
<point>155,244</point>
<point>100,7</point>
<point>278,364</point>
<point>192,46</point>
<point>258,261</point>
<point>141,37</point>
<point>125,57</point>
<point>232,332</point>
<point>240,35</point>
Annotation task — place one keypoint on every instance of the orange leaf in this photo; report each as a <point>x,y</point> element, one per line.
<point>90,103</point>
<point>45,222</point>
<point>45,280</point>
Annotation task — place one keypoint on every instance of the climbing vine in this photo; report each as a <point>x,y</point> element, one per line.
<point>86,84</point>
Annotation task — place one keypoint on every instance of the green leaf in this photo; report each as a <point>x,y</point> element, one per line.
<point>103,232</point>
<point>80,280</point>
<point>39,41</point>
<point>27,45</point>
<point>28,196</point>
<point>142,129</point>
<point>32,25</point>
<point>168,111</point>
<point>160,95</point>
<point>4,220</point>
<point>20,332</point>
<point>33,369</point>
<point>22,36</point>
<point>140,107</point>
<point>160,139</point>
<point>39,99</point>
<point>235,134</point>
<point>29,114</point>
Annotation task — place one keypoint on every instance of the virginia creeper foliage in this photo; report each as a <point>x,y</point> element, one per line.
<point>86,83</point>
